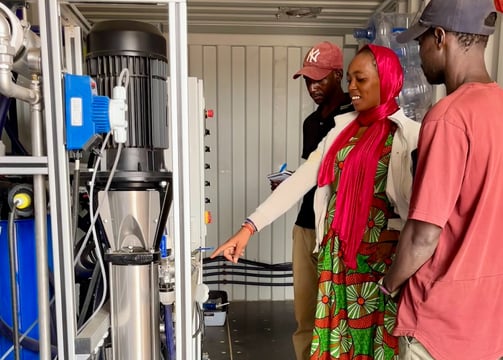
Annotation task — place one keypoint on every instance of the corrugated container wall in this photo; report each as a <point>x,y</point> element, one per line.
<point>259,111</point>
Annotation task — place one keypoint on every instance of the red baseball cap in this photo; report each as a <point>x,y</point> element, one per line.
<point>320,61</point>
<point>499,5</point>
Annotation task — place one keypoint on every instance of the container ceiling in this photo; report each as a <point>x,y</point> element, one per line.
<point>306,17</point>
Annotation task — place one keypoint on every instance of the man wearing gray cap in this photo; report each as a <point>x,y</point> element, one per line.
<point>448,261</point>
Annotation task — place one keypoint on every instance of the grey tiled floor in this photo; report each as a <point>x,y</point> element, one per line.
<point>254,330</point>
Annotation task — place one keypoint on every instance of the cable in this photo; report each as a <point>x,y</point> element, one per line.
<point>7,331</point>
<point>11,127</point>
<point>16,145</point>
<point>241,267</point>
<point>249,266</point>
<point>168,329</point>
<point>75,197</point>
<point>93,220</point>
<point>242,273</point>
<point>238,282</point>
<point>284,266</point>
<point>93,229</point>
<point>26,342</point>
<point>103,353</point>
<point>87,260</point>
<point>4,109</point>
<point>13,283</point>
<point>200,323</point>
<point>87,300</point>
<point>94,216</point>
<point>124,72</point>
<point>166,205</point>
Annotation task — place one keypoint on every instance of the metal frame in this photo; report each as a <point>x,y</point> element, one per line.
<point>59,187</point>
<point>181,176</point>
<point>23,165</point>
<point>58,172</point>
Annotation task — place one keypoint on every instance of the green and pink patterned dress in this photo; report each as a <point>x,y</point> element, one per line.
<point>354,319</point>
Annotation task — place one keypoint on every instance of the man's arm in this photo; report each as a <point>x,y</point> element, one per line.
<point>417,244</point>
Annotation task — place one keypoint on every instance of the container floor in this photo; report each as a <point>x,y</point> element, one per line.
<point>254,330</point>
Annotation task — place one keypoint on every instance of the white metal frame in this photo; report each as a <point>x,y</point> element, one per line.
<point>58,172</point>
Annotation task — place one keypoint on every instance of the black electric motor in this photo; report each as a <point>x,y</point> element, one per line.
<point>142,48</point>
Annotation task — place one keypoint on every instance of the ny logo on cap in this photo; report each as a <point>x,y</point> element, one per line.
<point>313,55</point>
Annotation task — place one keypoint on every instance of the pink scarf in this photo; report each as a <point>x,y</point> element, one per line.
<point>356,184</point>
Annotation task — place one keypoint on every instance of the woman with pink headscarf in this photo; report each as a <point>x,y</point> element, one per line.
<point>363,169</point>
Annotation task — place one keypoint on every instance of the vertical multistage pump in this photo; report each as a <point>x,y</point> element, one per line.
<point>135,207</point>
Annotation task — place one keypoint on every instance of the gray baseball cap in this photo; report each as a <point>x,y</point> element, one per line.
<point>465,16</point>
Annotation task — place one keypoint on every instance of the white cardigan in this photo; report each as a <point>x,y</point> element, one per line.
<point>398,188</point>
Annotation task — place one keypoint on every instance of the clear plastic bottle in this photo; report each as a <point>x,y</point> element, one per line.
<point>401,50</point>
<point>366,35</point>
<point>414,59</point>
<point>384,27</point>
<point>416,96</point>
<point>378,31</point>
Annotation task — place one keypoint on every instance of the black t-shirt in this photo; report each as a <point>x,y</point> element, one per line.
<point>314,129</point>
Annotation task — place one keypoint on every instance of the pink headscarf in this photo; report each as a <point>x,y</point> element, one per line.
<point>356,184</point>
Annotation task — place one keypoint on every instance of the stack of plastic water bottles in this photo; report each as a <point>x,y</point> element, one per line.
<point>417,94</point>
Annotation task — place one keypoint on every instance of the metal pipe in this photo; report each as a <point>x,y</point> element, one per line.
<point>13,284</point>
<point>11,29</point>
<point>40,210</point>
<point>10,89</point>
<point>134,298</point>
<point>7,53</point>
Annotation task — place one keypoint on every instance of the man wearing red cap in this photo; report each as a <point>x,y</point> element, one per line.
<point>322,71</point>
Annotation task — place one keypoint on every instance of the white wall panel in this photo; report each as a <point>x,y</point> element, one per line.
<point>265,147</point>
<point>251,175</point>
<point>259,111</point>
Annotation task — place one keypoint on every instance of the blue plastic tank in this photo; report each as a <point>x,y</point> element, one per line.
<point>26,283</point>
